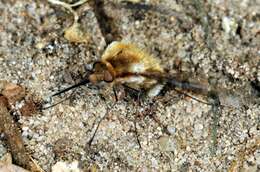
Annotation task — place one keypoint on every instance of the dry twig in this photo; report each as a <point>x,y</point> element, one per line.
<point>14,138</point>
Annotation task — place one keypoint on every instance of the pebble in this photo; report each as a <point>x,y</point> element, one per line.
<point>167,144</point>
<point>171,129</point>
<point>229,25</point>
<point>66,167</point>
<point>198,126</point>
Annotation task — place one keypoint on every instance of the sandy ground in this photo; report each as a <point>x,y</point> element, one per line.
<point>219,40</point>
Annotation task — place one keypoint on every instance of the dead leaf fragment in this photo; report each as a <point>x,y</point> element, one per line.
<point>13,92</point>
<point>6,165</point>
<point>75,34</point>
<point>14,142</point>
<point>29,108</point>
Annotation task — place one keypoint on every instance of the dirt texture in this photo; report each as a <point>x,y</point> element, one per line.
<point>218,41</point>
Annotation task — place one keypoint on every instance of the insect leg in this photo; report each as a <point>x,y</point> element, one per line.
<point>137,135</point>
<point>115,94</point>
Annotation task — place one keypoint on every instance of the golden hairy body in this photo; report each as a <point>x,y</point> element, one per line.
<point>125,63</point>
<point>126,57</point>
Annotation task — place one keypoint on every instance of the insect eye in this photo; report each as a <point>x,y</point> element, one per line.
<point>99,67</point>
<point>108,77</point>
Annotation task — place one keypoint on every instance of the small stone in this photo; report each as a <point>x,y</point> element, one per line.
<point>66,167</point>
<point>167,144</point>
<point>229,25</point>
<point>41,45</point>
<point>181,53</point>
<point>198,126</point>
<point>154,163</point>
<point>171,129</point>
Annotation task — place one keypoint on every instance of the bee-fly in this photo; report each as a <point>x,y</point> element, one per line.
<point>126,64</point>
